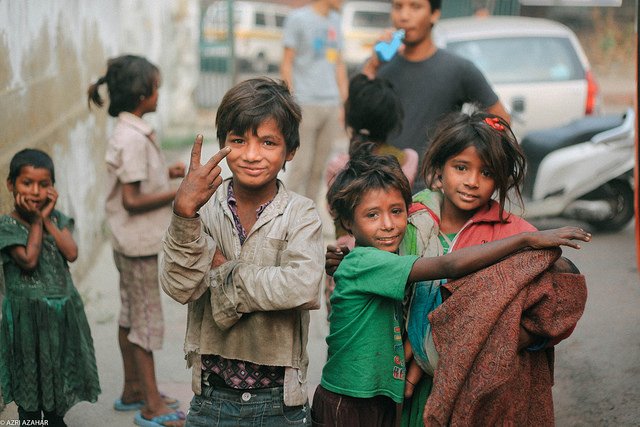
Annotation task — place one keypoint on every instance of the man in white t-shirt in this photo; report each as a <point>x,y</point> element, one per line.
<point>313,69</point>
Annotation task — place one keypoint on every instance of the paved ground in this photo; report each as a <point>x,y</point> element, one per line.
<point>598,368</point>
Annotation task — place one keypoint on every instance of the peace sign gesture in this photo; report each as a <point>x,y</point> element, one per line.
<point>200,182</point>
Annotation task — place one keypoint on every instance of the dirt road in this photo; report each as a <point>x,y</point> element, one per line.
<point>597,369</point>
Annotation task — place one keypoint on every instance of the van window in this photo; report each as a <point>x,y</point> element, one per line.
<point>371,19</point>
<point>261,20</point>
<point>530,59</point>
<point>219,16</point>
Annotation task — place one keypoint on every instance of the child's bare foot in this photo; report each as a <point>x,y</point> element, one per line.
<point>134,401</point>
<point>138,397</point>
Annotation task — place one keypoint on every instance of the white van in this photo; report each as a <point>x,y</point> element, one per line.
<point>257,30</point>
<point>536,66</point>
<point>362,23</point>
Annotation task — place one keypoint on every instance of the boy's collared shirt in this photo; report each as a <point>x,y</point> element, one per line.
<point>261,295</point>
<point>238,373</point>
<point>133,155</point>
<point>233,206</point>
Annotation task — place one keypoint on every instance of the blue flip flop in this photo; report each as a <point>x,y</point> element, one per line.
<point>159,420</point>
<point>119,405</point>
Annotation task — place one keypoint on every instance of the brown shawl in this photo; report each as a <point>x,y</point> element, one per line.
<point>481,378</point>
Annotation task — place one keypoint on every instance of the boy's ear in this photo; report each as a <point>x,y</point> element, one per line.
<point>9,185</point>
<point>435,16</point>
<point>290,155</point>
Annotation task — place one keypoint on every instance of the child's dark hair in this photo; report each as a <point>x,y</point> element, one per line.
<point>496,145</point>
<point>565,265</point>
<point>30,157</point>
<point>373,109</point>
<point>364,172</point>
<point>129,78</point>
<point>249,103</point>
<point>435,5</point>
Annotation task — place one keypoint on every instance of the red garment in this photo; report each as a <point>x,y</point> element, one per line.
<point>476,375</point>
<point>485,226</point>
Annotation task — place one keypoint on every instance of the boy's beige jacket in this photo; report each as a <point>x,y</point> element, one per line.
<point>255,306</point>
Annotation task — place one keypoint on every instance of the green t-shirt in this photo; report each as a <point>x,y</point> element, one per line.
<point>366,357</point>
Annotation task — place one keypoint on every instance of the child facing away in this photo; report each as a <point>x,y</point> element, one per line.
<point>47,361</point>
<point>247,256</point>
<point>138,210</point>
<point>373,111</point>
<point>371,198</point>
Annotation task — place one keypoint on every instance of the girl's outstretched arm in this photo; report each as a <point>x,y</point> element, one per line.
<point>464,261</point>
<point>135,201</point>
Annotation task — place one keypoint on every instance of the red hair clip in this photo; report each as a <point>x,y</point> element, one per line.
<point>494,122</point>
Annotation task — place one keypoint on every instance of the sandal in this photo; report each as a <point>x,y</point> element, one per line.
<point>160,420</point>
<point>119,405</point>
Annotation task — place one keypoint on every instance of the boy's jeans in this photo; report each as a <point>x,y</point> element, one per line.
<point>227,407</point>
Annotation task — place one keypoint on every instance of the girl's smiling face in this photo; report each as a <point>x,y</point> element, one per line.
<point>256,159</point>
<point>379,220</point>
<point>467,183</point>
<point>32,185</point>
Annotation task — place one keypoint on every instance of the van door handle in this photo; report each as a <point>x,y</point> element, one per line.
<point>517,105</point>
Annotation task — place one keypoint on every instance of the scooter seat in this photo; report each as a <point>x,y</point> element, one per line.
<point>537,145</point>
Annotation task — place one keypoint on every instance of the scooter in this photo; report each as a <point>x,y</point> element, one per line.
<point>583,170</point>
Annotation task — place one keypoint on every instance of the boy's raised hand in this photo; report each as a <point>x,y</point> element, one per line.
<point>200,182</point>
<point>564,236</point>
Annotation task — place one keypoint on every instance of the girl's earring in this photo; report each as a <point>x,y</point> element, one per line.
<point>141,97</point>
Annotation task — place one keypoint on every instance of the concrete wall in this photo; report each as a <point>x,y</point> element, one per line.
<point>50,50</point>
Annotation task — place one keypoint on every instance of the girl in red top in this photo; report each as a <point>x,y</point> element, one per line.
<point>473,167</point>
